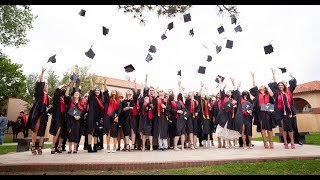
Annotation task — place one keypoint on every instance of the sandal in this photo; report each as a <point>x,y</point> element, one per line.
<point>69,152</point>
<point>192,146</point>
<point>128,148</point>
<point>40,150</point>
<point>271,145</point>
<point>53,150</point>
<point>75,152</point>
<point>266,145</point>
<point>33,150</point>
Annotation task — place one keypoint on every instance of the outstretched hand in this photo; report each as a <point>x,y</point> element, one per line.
<point>202,84</point>
<point>272,70</point>
<point>42,70</point>
<point>252,73</point>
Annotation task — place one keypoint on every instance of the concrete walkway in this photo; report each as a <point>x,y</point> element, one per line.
<point>155,159</point>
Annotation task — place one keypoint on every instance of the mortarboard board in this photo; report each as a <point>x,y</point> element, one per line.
<point>233,19</point>
<point>187,17</point>
<point>170,26</point>
<point>202,70</point>
<point>191,33</point>
<point>220,29</point>
<point>179,73</point>
<point>129,68</point>
<point>229,44</point>
<point>52,59</point>
<point>218,49</point>
<point>238,28</point>
<point>152,49</point>
<point>82,12</point>
<point>90,54</point>
<point>283,70</point>
<point>74,111</point>
<point>247,106</point>
<point>227,106</point>
<point>105,30</point>
<point>267,107</point>
<point>268,49</point>
<point>221,77</point>
<point>149,57</point>
<point>163,37</point>
<point>209,59</point>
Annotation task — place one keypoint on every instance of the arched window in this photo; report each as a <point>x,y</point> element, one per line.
<point>302,106</point>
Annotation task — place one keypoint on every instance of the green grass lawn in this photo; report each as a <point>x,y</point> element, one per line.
<point>13,148</point>
<point>312,139</point>
<point>288,167</point>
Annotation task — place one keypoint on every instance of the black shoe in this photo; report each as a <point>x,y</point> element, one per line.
<point>94,148</point>
<point>98,147</point>
<point>89,149</point>
<point>85,148</point>
<point>300,143</point>
<point>63,149</point>
<point>58,150</point>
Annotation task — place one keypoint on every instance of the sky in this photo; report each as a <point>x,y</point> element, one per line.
<point>293,30</point>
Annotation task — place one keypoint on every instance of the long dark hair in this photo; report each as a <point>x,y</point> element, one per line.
<point>285,87</point>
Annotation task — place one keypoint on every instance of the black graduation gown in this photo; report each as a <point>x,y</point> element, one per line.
<point>126,116</point>
<point>73,125</point>
<point>160,120</point>
<point>94,114</point>
<point>59,120</point>
<point>264,118</point>
<point>179,122</point>
<point>146,124</point>
<point>192,122</point>
<point>38,109</point>
<point>238,117</point>
<point>223,117</point>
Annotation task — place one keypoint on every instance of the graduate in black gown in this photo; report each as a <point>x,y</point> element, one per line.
<point>284,107</point>
<point>215,111</point>
<point>247,122</point>
<point>204,118</point>
<point>264,117</point>
<point>58,127</point>
<point>192,123</point>
<point>38,116</point>
<point>146,123</point>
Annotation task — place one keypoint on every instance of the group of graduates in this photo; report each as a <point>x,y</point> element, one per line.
<point>164,118</point>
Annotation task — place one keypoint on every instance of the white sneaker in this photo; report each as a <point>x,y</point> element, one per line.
<point>114,151</point>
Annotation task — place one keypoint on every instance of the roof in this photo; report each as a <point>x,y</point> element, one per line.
<point>117,82</point>
<point>308,87</point>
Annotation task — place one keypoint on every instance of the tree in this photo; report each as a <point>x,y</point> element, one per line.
<point>30,84</point>
<point>12,81</point>
<point>15,22</point>
<point>171,10</point>
<point>52,81</point>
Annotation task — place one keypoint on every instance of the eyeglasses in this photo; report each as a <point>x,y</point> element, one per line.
<point>160,91</point>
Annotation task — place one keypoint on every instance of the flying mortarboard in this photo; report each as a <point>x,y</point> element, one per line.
<point>220,29</point>
<point>187,17</point>
<point>227,106</point>
<point>268,49</point>
<point>202,70</point>
<point>82,12</point>
<point>170,26</point>
<point>229,44</point>
<point>179,73</point>
<point>233,19</point>
<point>209,59</point>
<point>283,70</point>
<point>163,37</point>
<point>52,59</point>
<point>105,30</point>
<point>247,106</point>
<point>238,28</point>
<point>217,79</point>
<point>152,49</point>
<point>191,33</point>
<point>149,57</point>
<point>90,54</point>
<point>129,68</point>
<point>218,49</point>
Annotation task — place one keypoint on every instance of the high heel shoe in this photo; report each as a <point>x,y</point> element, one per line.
<point>286,146</point>
<point>33,150</point>
<point>266,145</point>
<point>53,150</point>
<point>271,145</point>
<point>40,150</point>
<point>293,146</point>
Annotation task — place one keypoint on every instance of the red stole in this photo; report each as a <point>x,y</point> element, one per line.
<point>62,106</point>
<point>100,104</point>
<point>280,100</point>
<point>263,100</point>
<point>150,113</point>
<point>80,107</point>
<point>243,111</point>
<point>159,103</point>
<point>135,108</point>
<point>112,106</point>
<point>174,105</point>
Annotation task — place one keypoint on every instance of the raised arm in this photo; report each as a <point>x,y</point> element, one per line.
<point>105,84</point>
<point>273,85</point>
<point>135,85</point>
<point>91,84</point>
<point>200,91</point>
<point>273,75</point>
<point>41,75</point>
<point>253,79</point>
<point>292,83</point>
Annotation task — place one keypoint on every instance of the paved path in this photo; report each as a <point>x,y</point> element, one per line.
<point>154,159</point>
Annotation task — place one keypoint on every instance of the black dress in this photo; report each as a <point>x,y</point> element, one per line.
<point>59,116</point>
<point>39,110</point>
<point>94,114</point>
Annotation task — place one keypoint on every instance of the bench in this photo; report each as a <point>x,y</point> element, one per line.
<point>24,143</point>
<point>302,137</point>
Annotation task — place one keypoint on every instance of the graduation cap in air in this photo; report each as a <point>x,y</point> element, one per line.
<point>187,17</point>
<point>247,106</point>
<point>129,68</point>
<point>283,70</point>
<point>217,79</point>
<point>202,70</point>
<point>170,26</point>
<point>268,49</point>
<point>90,54</point>
<point>233,19</point>
<point>152,49</point>
<point>52,59</point>
<point>227,106</point>
<point>209,59</point>
<point>105,30</point>
<point>218,49</point>
<point>238,28</point>
<point>220,29</point>
<point>82,12</point>
<point>179,73</point>
<point>149,57</point>
<point>229,44</point>
<point>163,37</point>
<point>191,33</point>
